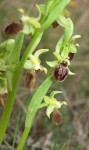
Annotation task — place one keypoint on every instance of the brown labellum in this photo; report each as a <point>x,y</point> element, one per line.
<point>55,24</point>
<point>13,28</point>
<point>71,56</point>
<point>60,72</point>
<point>3,98</point>
<point>30,79</point>
<point>57,117</point>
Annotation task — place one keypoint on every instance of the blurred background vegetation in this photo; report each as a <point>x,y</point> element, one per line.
<point>73,134</point>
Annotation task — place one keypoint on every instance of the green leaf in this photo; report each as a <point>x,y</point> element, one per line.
<point>63,147</point>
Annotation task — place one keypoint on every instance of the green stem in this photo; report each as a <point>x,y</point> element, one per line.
<point>33,108</point>
<point>11,95</point>
<point>24,137</point>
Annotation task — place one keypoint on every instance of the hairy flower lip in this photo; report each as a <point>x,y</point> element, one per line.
<point>71,56</point>
<point>13,28</point>
<point>30,79</point>
<point>60,72</point>
<point>57,117</point>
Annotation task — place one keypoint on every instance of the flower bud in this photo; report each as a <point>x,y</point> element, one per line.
<point>60,72</point>
<point>13,28</point>
<point>71,56</point>
<point>57,117</point>
<point>30,80</point>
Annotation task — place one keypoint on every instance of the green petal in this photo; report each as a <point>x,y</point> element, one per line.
<point>39,52</point>
<point>54,93</point>
<point>49,110</point>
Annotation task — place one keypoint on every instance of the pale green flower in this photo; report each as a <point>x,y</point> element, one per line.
<point>33,61</point>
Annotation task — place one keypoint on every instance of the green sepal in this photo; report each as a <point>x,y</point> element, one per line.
<point>48,6</point>
<point>65,52</point>
<point>54,93</point>
<point>71,73</point>
<point>41,9</point>
<point>72,49</point>
<point>59,45</point>
<point>28,29</point>
<point>49,110</point>
<point>52,64</point>
<point>68,31</point>
<point>61,20</point>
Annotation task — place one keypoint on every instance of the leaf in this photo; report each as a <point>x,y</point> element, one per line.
<point>63,147</point>
<point>36,100</point>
